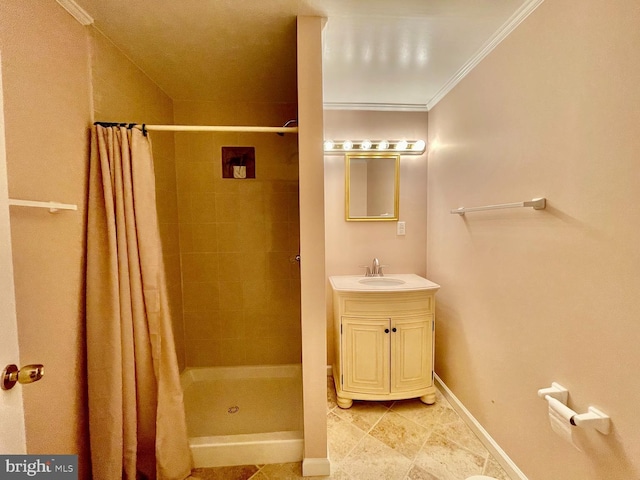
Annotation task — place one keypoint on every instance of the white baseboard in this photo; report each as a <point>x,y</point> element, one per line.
<point>490,444</point>
<point>316,467</point>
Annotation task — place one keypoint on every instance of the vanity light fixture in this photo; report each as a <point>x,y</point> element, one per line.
<point>404,147</point>
<point>420,145</point>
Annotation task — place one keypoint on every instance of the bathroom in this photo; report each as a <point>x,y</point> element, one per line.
<point>527,297</point>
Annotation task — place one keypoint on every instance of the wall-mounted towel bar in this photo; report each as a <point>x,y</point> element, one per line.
<point>52,206</point>
<point>536,203</point>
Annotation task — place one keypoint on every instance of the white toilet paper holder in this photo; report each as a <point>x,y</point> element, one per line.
<point>556,391</point>
<point>594,418</point>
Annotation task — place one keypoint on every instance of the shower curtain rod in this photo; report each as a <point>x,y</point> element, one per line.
<point>200,128</point>
<point>219,128</point>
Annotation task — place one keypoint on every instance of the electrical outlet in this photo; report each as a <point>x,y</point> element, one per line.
<point>400,228</point>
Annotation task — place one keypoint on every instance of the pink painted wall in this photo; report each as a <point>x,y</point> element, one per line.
<point>47,112</point>
<point>312,245</point>
<point>50,64</point>
<point>351,244</point>
<point>531,297</point>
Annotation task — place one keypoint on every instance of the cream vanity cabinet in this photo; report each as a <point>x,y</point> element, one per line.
<point>384,337</point>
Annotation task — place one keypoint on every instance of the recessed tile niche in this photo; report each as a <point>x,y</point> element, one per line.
<point>238,162</point>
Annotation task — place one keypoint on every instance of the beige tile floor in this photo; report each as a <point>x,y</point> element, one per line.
<point>397,440</point>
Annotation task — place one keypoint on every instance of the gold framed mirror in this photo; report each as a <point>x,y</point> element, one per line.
<point>372,187</point>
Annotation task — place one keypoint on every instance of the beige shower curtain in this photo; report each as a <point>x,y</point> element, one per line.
<point>136,414</point>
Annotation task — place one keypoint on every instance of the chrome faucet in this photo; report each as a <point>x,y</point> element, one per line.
<point>375,270</point>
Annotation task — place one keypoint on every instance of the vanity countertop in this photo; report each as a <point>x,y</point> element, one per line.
<point>392,282</point>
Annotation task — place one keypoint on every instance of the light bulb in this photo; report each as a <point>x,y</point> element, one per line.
<point>383,145</point>
<point>347,145</point>
<point>419,145</point>
<point>328,145</point>
<point>365,145</point>
<point>401,145</point>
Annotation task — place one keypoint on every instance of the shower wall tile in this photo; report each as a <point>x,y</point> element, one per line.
<point>195,177</point>
<point>251,204</point>
<point>200,352</point>
<point>230,325</point>
<point>279,290</point>
<point>278,237</point>
<point>264,113</point>
<point>275,350</point>
<point>255,294</point>
<point>184,206</point>
<point>167,205</point>
<point>262,351</point>
<point>186,237</point>
<point>202,207</point>
<point>278,265</point>
<point>228,207</point>
<point>226,185</point>
<point>164,164</point>
<point>173,275</point>
<point>293,209</point>
<point>253,263</point>
<point>229,237</point>
<point>199,267</point>
<point>205,113</point>
<point>230,295</point>
<point>252,229</point>
<point>229,266</point>
<point>199,325</point>
<point>123,93</point>
<point>193,147</point>
<point>170,238</point>
<point>200,296</point>
<point>263,324</point>
<point>198,237</point>
<point>252,237</point>
<point>229,352</point>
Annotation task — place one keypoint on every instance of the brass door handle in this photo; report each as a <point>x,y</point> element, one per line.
<point>27,374</point>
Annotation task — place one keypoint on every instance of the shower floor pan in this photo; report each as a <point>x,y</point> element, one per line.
<point>244,415</point>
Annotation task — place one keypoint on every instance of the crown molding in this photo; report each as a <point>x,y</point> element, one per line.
<point>503,32</point>
<point>386,107</point>
<point>76,11</point>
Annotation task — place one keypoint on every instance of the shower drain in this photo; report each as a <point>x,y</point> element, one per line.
<point>233,409</point>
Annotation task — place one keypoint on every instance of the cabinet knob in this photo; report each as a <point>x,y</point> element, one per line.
<point>386,330</point>
<point>394,329</point>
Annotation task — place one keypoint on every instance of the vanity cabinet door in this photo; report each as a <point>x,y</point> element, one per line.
<point>365,355</point>
<point>411,352</point>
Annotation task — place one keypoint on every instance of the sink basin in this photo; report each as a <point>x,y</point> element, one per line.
<point>394,282</point>
<point>381,281</point>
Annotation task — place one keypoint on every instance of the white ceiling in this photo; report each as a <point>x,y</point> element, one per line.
<point>376,53</point>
